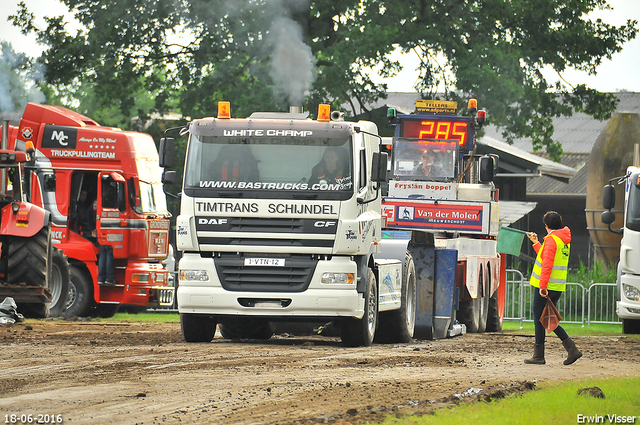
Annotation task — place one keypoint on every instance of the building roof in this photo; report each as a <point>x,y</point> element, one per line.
<point>512,211</point>
<point>577,133</point>
<point>576,186</point>
<point>516,161</point>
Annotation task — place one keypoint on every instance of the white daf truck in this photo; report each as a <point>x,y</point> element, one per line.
<point>280,220</point>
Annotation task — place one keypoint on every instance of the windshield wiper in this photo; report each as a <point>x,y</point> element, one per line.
<point>305,196</point>
<point>231,194</point>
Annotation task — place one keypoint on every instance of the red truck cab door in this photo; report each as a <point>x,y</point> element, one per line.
<point>111,212</point>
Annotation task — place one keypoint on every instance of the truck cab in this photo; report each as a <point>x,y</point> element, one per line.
<point>628,272</point>
<point>279,220</point>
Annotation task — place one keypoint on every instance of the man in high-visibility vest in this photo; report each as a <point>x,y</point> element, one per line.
<point>549,277</point>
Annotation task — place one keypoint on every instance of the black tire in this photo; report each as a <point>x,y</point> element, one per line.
<point>361,332</point>
<point>105,310</point>
<point>483,314</point>
<point>246,328</point>
<point>468,314</point>
<point>59,281</point>
<point>630,326</point>
<point>80,301</point>
<point>27,259</point>
<point>494,321</point>
<point>197,327</point>
<point>397,326</point>
<point>28,263</point>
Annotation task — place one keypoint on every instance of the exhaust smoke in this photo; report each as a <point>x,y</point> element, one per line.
<point>293,66</point>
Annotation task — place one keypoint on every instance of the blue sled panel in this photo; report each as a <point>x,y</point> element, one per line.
<point>423,259</point>
<point>445,291</point>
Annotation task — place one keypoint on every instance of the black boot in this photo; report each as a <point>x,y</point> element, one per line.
<point>538,355</point>
<point>573,352</point>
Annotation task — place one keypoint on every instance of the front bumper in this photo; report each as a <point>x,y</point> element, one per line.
<point>626,308</point>
<point>317,300</point>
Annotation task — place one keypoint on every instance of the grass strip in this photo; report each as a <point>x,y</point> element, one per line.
<point>549,404</point>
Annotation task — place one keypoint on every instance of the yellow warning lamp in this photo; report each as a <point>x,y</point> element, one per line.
<point>472,106</point>
<point>224,110</point>
<point>31,152</point>
<point>324,112</point>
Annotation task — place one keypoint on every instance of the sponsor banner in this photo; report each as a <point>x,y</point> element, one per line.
<point>268,133</point>
<point>59,137</point>
<point>270,208</point>
<point>436,106</point>
<point>439,216</point>
<point>340,184</point>
<point>65,142</point>
<point>422,190</point>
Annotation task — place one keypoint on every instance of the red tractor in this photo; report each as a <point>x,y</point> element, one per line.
<point>32,271</point>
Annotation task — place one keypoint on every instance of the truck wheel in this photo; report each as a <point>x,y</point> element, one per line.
<point>630,326</point>
<point>360,332</point>
<point>27,264</point>
<point>397,326</point>
<point>80,299</point>
<point>494,322</point>
<point>484,283</point>
<point>246,328</point>
<point>197,327</point>
<point>59,282</point>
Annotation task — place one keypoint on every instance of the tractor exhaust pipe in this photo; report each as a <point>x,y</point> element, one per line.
<point>296,110</point>
<point>5,134</point>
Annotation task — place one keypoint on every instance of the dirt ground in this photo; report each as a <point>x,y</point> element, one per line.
<point>143,373</point>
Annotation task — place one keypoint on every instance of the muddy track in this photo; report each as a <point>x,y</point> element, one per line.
<point>92,372</point>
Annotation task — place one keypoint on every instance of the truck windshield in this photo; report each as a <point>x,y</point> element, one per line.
<point>420,159</point>
<point>266,164</point>
<point>633,205</point>
<point>152,198</point>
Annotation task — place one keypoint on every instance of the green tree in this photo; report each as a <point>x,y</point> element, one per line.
<point>266,54</point>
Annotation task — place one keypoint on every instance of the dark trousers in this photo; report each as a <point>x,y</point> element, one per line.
<point>539,302</point>
<point>106,265</point>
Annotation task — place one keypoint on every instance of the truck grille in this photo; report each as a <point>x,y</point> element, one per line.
<point>293,277</point>
<point>212,231</point>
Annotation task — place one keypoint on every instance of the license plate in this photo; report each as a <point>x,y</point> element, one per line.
<point>269,262</point>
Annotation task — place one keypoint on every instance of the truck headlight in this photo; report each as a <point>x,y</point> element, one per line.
<point>337,278</point>
<point>631,292</point>
<point>194,275</point>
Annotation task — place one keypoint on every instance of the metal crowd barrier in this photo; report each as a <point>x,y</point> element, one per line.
<point>579,304</point>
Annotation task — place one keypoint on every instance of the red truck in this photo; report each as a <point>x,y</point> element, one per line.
<point>76,162</point>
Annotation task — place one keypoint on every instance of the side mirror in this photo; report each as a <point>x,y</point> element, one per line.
<point>379,167</point>
<point>169,177</point>
<point>486,169</point>
<point>608,198</point>
<point>608,217</point>
<point>167,151</point>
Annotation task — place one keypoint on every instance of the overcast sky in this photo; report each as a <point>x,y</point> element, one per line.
<point>620,73</point>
